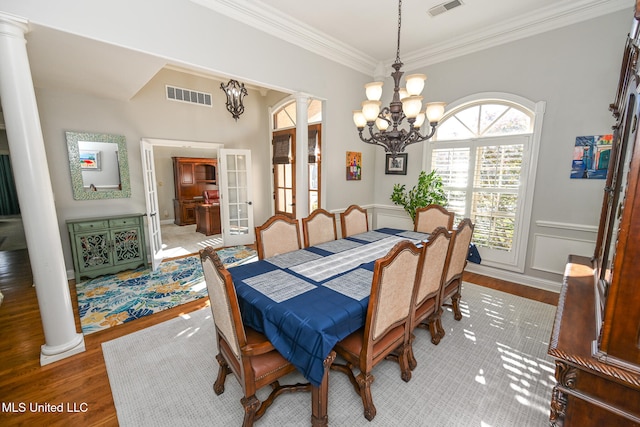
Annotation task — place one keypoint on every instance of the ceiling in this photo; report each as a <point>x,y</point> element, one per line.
<point>361,34</point>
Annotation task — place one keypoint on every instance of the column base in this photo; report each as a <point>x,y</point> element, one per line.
<point>49,355</point>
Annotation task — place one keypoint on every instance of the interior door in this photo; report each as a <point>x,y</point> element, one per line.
<point>236,200</point>
<point>284,172</point>
<point>151,199</point>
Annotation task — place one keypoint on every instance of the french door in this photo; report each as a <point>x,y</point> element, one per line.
<point>236,199</point>
<point>151,199</point>
<point>284,172</point>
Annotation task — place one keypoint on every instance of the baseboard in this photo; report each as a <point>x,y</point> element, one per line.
<point>522,279</point>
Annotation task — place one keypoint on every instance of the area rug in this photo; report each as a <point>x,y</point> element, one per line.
<point>114,299</point>
<point>490,370</point>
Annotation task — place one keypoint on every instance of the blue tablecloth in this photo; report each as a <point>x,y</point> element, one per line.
<point>308,300</point>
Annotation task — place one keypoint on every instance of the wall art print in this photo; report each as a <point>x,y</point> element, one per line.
<point>591,157</point>
<point>354,166</point>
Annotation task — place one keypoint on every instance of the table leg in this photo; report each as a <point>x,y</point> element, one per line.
<point>319,396</point>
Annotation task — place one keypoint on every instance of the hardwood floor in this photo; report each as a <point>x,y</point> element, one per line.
<point>80,383</point>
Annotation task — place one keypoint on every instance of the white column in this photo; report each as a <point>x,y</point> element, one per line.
<point>302,155</point>
<point>33,184</point>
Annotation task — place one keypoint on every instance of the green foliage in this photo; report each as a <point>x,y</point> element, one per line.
<point>428,191</point>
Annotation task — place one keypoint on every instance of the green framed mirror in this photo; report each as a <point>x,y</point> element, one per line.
<point>99,166</point>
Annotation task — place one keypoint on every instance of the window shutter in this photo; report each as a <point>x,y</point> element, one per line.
<point>281,149</point>
<point>313,143</point>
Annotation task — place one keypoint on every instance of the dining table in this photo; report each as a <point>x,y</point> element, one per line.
<point>307,300</point>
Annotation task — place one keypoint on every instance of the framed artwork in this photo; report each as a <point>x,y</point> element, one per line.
<point>90,160</point>
<point>591,157</point>
<point>354,166</point>
<point>397,166</point>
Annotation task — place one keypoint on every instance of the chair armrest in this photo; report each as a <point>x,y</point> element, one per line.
<point>255,349</point>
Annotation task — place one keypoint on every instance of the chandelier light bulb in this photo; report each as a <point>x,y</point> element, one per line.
<point>382,124</point>
<point>411,106</point>
<point>403,93</point>
<point>371,109</point>
<point>415,83</point>
<point>435,111</point>
<point>358,119</point>
<point>419,120</point>
<point>374,90</point>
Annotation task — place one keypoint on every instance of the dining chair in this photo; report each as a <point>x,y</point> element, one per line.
<point>430,278</point>
<point>278,235</point>
<point>319,227</point>
<point>242,351</point>
<point>452,287</point>
<point>354,220</point>
<point>387,328</point>
<point>429,217</point>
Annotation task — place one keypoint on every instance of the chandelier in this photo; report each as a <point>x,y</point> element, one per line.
<point>235,92</point>
<point>406,104</point>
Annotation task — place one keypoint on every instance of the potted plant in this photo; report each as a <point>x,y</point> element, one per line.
<point>428,191</point>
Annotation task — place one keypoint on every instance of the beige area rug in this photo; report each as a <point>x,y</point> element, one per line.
<point>490,370</point>
<point>180,240</point>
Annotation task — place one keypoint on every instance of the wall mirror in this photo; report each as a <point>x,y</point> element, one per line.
<point>99,166</point>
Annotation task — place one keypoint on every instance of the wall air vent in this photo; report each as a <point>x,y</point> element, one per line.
<point>444,7</point>
<point>187,95</point>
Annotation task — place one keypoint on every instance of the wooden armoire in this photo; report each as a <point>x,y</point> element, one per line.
<point>192,176</point>
<point>596,335</point>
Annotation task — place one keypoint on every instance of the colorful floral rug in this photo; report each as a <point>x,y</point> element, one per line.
<point>114,299</point>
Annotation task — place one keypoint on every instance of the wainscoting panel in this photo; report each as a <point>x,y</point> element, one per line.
<point>550,252</point>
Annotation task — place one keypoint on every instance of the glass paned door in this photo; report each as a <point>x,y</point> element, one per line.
<point>236,197</point>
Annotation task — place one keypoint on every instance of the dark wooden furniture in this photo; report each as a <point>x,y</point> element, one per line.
<point>192,176</point>
<point>243,352</point>
<point>596,334</point>
<point>452,287</point>
<point>319,227</point>
<point>208,219</point>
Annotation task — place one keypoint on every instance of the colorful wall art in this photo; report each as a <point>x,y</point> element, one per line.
<point>591,157</point>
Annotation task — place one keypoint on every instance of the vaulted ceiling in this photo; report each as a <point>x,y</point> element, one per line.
<point>361,34</point>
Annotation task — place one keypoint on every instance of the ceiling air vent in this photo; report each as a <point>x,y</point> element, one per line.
<point>187,95</point>
<point>444,7</point>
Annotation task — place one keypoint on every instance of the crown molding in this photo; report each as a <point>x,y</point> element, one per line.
<point>546,19</point>
<point>272,21</point>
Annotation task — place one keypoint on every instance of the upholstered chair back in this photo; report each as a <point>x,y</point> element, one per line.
<point>354,220</point>
<point>278,235</point>
<point>319,227</point>
<point>223,300</point>
<point>433,267</point>
<point>430,217</point>
<point>460,250</point>
<point>392,288</point>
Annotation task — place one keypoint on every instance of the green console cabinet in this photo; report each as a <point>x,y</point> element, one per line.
<point>107,245</point>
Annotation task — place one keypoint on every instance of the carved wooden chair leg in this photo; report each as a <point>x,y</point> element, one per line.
<point>251,405</point>
<point>434,328</point>
<point>403,360</point>
<point>223,371</point>
<point>412,358</point>
<point>455,300</point>
<point>364,381</point>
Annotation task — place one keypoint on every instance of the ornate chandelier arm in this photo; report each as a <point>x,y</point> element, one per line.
<point>375,139</point>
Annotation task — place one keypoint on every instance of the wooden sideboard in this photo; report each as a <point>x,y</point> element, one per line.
<point>596,335</point>
<point>208,219</point>
<point>107,245</point>
<point>192,176</point>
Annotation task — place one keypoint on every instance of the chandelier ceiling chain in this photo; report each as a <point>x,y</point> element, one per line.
<point>405,104</point>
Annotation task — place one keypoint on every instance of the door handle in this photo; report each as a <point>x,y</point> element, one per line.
<point>249,203</point>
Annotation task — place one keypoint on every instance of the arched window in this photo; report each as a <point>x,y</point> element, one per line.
<point>486,149</point>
